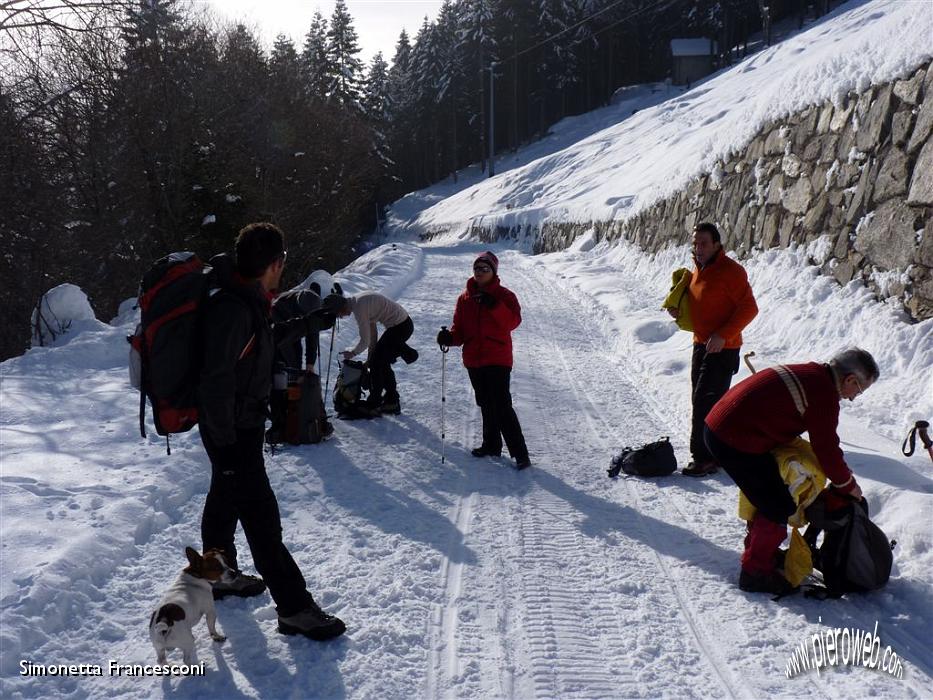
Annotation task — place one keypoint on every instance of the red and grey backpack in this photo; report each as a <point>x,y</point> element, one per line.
<point>165,352</point>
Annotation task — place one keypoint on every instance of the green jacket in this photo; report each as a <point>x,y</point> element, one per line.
<point>678,298</point>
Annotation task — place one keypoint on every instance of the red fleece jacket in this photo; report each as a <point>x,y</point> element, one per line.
<point>486,334</point>
<point>759,413</point>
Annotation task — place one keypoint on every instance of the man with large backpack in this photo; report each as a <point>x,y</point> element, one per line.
<point>765,411</point>
<point>233,396</point>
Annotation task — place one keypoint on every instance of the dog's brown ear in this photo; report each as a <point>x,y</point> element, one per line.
<point>193,557</point>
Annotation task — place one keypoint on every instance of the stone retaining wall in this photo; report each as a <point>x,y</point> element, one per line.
<point>859,172</point>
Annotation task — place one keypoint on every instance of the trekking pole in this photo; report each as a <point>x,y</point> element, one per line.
<point>330,355</point>
<point>748,362</point>
<point>444,350</point>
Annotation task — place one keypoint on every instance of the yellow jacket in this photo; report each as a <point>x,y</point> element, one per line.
<point>678,298</point>
<point>800,470</point>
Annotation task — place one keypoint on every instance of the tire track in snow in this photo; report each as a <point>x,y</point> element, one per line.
<point>578,334</point>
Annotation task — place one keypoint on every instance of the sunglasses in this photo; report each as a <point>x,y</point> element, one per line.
<point>482,268</point>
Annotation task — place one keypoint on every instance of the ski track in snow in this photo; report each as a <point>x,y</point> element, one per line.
<point>470,579</point>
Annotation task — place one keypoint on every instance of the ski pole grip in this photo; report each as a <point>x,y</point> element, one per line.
<point>923,427</point>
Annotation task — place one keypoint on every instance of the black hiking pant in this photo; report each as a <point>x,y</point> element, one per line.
<point>710,377</point>
<point>240,491</point>
<point>388,349</point>
<point>494,398</point>
<point>757,475</point>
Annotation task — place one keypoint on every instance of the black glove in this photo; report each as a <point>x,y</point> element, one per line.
<point>485,299</point>
<point>445,338</point>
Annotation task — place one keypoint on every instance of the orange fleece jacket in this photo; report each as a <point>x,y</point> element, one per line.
<point>721,301</point>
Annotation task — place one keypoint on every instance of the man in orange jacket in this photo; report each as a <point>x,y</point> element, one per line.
<point>721,305</point>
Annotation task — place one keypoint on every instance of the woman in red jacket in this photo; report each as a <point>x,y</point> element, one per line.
<point>485,316</point>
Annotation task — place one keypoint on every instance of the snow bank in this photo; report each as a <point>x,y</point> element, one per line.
<point>62,313</point>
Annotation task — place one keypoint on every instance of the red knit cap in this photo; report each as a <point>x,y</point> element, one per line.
<point>490,259</point>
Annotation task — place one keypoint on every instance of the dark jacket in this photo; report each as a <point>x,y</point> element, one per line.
<point>287,308</point>
<point>484,333</point>
<point>237,352</point>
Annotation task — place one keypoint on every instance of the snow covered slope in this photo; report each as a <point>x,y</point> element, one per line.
<point>652,154</point>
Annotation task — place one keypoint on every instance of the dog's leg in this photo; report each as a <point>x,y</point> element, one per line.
<point>160,655</point>
<point>211,616</point>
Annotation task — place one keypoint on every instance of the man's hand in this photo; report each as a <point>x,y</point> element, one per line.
<point>673,311</point>
<point>715,343</point>
<point>850,490</point>
<point>346,355</point>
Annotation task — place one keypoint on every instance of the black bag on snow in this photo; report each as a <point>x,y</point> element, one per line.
<point>305,417</point>
<point>348,391</point>
<point>653,459</point>
<point>855,555</point>
<point>165,349</point>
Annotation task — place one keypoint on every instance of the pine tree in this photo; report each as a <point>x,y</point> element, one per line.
<point>285,69</point>
<point>315,64</point>
<point>342,48</point>
<point>376,94</point>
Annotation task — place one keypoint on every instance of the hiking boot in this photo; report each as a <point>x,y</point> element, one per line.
<point>765,583</point>
<point>482,451</point>
<point>391,407</point>
<point>700,468</point>
<point>312,622</point>
<point>238,584</point>
<point>409,354</point>
<point>327,429</point>
<point>522,462</point>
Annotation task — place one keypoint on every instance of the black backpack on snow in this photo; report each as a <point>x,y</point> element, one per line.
<point>165,349</point>
<point>855,555</point>
<point>348,390</point>
<point>653,459</point>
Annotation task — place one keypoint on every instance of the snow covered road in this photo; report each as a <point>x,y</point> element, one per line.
<point>467,579</point>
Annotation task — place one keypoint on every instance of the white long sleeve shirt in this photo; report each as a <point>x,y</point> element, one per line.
<point>370,308</point>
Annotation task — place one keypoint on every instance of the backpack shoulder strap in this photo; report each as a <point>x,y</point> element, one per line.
<point>794,386</point>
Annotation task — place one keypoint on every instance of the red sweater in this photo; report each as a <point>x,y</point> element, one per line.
<point>759,414</point>
<point>721,301</point>
<point>486,334</point>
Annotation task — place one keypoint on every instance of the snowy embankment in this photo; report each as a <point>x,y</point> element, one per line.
<point>620,170</point>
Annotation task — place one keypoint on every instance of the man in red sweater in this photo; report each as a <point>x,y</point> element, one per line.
<point>770,409</point>
<point>721,305</point>
<point>484,318</point>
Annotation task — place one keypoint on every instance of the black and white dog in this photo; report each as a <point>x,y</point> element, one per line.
<point>172,623</point>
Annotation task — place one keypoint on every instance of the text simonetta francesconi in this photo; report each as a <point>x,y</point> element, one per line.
<point>111,668</point>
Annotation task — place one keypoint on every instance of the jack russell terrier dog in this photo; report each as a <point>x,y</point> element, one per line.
<point>172,623</point>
